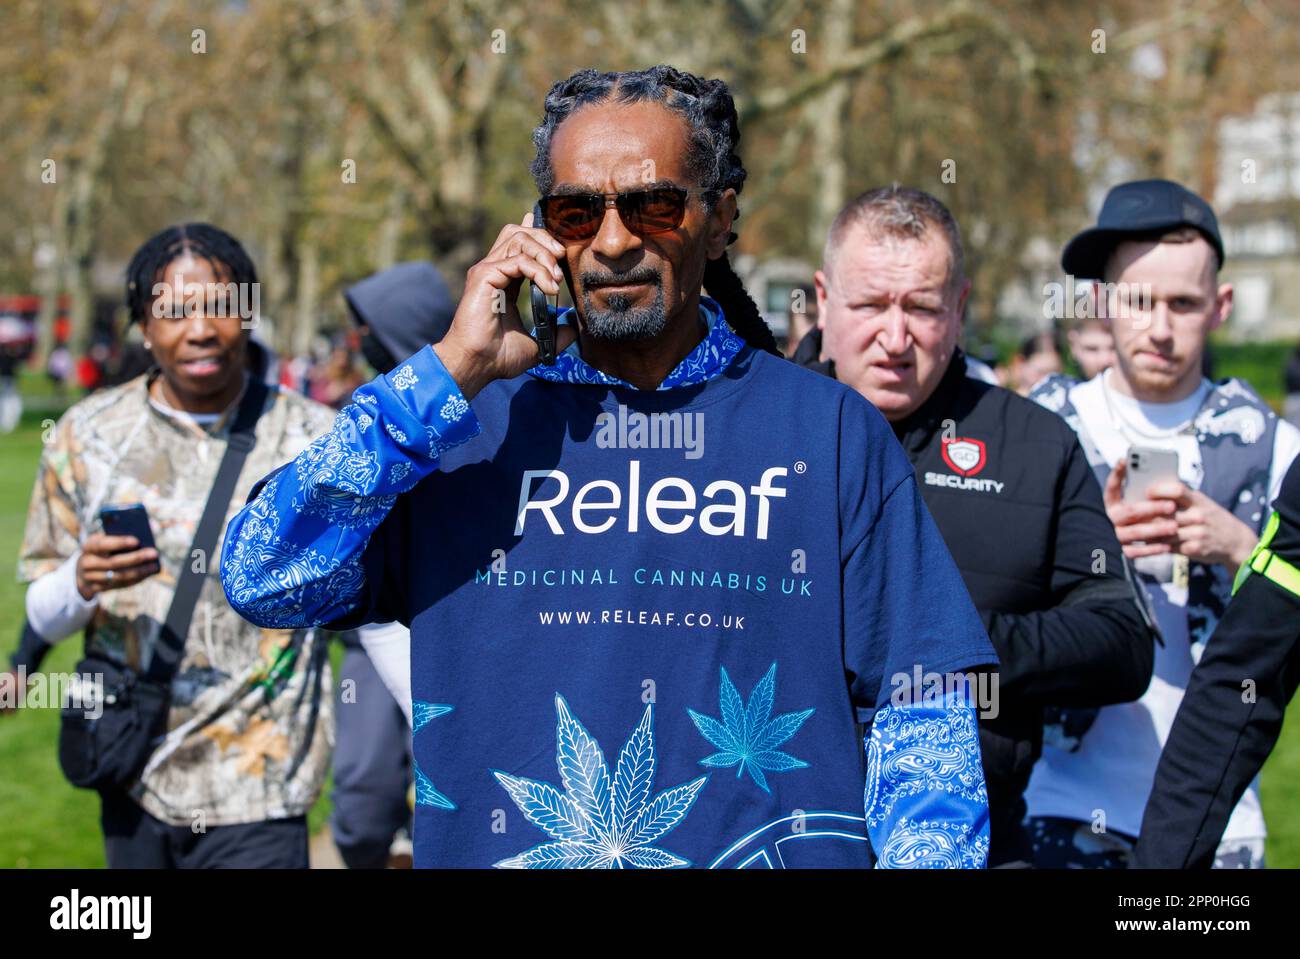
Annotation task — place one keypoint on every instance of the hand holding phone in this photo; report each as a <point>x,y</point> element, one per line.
<point>487,340</point>
<point>1148,467</point>
<point>1144,526</point>
<point>121,556</point>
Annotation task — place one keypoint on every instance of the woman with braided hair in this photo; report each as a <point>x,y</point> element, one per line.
<point>603,561</point>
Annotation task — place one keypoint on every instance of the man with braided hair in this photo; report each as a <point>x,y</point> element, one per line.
<point>657,588</point>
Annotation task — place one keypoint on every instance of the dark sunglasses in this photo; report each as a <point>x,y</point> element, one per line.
<point>570,217</point>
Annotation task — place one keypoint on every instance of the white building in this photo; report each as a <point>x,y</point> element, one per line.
<point>1257,199</point>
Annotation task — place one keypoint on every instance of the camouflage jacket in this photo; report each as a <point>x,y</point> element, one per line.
<point>251,723</point>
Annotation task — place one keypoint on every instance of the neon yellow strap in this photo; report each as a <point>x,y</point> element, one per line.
<point>1268,564</point>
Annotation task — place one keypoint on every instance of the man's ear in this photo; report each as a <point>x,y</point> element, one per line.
<point>1222,306</point>
<point>719,226</point>
<point>819,282</point>
<point>962,297</point>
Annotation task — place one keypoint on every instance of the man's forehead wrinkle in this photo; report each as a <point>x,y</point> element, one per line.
<point>605,141</point>
<point>882,244</point>
<point>868,289</point>
<point>863,276</point>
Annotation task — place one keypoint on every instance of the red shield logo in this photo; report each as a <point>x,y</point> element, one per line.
<point>964,455</point>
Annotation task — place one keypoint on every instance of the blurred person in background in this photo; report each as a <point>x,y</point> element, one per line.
<point>17,339</point>
<point>1036,358</point>
<point>333,381</point>
<point>1092,346</point>
<point>294,372</point>
<point>1157,245</point>
<point>396,312</point>
<point>91,367</point>
<point>58,368</point>
<point>249,721</point>
<point>11,402</point>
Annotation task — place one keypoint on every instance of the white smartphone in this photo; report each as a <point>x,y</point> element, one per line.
<point>1147,467</point>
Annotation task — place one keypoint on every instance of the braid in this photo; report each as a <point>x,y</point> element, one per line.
<point>222,251</point>
<point>712,158</point>
<point>722,283</point>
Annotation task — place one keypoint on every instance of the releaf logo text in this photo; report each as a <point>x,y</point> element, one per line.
<point>671,505</point>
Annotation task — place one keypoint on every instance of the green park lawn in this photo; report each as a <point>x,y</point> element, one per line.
<point>44,822</point>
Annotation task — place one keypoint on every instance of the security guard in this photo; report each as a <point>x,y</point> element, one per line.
<point>1231,716</point>
<point>1005,480</point>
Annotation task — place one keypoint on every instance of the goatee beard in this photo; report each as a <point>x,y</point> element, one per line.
<point>621,322</point>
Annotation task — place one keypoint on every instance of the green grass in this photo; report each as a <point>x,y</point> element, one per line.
<point>44,822</point>
<point>1262,365</point>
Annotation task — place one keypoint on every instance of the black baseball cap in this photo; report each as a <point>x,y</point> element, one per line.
<point>1143,206</point>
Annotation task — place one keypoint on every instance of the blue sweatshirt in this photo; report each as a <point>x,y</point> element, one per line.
<point>645,625</point>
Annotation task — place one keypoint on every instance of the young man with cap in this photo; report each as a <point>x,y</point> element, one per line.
<point>1006,482</point>
<point>631,647</point>
<point>1156,253</point>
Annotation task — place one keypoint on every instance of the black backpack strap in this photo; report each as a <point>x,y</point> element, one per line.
<point>171,640</point>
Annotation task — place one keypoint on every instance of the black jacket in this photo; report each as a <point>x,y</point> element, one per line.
<point>1226,726</point>
<point>1019,508</point>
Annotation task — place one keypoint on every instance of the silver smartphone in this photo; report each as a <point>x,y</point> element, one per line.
<point>1146,468</point>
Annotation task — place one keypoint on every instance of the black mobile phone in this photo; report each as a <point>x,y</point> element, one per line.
<point>130,520</point>
<point>543,315</point>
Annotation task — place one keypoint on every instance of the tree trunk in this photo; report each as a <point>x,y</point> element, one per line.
<point>827,120</point>
<point>308,301</point>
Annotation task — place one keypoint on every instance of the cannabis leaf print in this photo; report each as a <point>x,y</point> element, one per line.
<point>425,792</point>
<point>596,822</point>
<point>748,736</point>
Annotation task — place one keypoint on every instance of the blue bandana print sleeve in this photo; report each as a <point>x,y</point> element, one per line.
<point>912,643</point>
<point>293,555</point>
<point>926,802</point>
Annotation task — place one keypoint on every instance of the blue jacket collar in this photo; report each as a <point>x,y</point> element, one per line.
<point>713,355</point>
